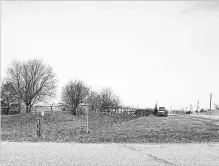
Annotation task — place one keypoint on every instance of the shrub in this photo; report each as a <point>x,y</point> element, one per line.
<point>188,112</point>
<point>10,110</point>
<point>5,110</point>
<point>202,110</point>
<point>144,112</point>
<point>179,112</point>
<point>155,110</point>
<point>81,111</point>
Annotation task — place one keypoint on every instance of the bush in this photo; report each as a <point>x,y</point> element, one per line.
<point>188,112</point>
<point>81,111</point>
<point>10,110</point>
<point>144,112</point>
<point>64,109</point>
<point>5,111</point>
<point>179,112</point>
<point>202,110</point>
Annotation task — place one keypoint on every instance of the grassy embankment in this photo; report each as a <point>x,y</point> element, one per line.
<point>64,127</point>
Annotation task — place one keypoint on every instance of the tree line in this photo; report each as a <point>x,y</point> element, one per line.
<point>32,81</point>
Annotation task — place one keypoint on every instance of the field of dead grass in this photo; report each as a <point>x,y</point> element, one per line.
<point>123,128</point>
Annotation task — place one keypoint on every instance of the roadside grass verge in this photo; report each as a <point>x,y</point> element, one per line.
<point>212,112</point>
<point>123,128</point>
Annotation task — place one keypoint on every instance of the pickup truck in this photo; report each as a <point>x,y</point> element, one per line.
<point>162,112</point>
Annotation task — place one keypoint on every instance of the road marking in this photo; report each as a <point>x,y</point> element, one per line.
<point>154,157</point>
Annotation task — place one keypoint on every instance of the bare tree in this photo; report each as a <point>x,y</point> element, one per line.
<point>75,93</point>
<point>33,81</point>
<point>108,99</point>
<point>94,100</point>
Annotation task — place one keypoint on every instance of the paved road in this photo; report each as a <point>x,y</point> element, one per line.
<point>66,154</point>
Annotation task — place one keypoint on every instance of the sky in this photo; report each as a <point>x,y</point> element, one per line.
<point>144,51</point>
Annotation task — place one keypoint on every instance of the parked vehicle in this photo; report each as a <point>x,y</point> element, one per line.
<point>162,112</point>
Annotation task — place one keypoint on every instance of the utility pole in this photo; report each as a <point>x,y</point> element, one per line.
<point>210,100</point>
<point>197,106</point>
<point>156,109</point>
<point>191,108</point>
<point>170,109</point>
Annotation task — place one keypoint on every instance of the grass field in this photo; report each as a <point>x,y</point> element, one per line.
<point>213,113</point>
<point>64,127</point>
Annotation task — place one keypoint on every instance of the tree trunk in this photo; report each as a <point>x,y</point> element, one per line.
<point>74,110</point>
<point>28,108</point>
<point>19,107</point>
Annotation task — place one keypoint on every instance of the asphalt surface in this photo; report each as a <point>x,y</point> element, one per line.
<point>66,154</point>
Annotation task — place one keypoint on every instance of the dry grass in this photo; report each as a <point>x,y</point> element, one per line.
<point>212,112</point>
<point>114,128</point>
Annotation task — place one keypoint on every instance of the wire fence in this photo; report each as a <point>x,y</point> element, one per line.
<point>55,121</point>
<point>55,108</point>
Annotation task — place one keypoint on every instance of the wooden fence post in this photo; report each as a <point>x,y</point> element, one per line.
<point>51,116</point>
<point>39,124</point>
<point>87,129</point>
<point>42,127</point>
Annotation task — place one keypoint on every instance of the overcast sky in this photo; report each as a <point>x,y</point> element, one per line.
<point>144,51</point>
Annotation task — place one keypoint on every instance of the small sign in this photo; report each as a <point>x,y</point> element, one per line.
<point>42,113</point>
